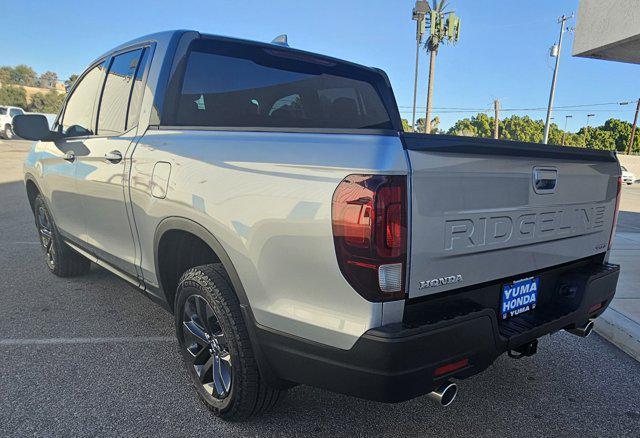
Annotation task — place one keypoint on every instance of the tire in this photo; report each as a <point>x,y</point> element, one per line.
<point>215,346</point>
<point>59,258</point>
<point>7,133</point>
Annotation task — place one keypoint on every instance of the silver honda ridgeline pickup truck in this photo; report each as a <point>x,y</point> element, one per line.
<point>269,198</point>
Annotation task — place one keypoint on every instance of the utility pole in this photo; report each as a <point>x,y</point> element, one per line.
<point>496,118</point>
<point>587,132</point>
<point>444,27</point>
<point>564,133</point>
<point>554,51</point>
<point>633,129</point>
<point>419,13</point>
<point>427,117</point>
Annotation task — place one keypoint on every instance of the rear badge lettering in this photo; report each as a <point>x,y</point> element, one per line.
<point>440,281</point>
<point>513,230</point>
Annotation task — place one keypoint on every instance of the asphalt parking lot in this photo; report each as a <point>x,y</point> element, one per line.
<point>91,356</point>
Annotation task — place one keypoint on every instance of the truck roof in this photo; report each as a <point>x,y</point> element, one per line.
<point>164,38</point>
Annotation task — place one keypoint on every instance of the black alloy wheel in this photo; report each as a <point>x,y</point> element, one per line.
<point>206,347</point>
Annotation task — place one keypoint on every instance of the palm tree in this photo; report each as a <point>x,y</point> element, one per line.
<point>432,44</point>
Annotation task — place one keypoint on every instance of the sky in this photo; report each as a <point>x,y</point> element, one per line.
<point>503,52</point>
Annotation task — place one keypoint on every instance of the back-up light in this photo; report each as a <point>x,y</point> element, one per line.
<point>615,213</point>
<point>369,217</point>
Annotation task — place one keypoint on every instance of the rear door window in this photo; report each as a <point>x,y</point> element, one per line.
<point>229,84</point>
<point>137,91</point>
<point>15,112</point>
<point>114,104</point>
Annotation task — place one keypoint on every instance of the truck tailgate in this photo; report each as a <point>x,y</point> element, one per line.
<point>483,210</point>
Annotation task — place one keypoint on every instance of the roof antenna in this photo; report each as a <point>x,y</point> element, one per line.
<point>281,40</point>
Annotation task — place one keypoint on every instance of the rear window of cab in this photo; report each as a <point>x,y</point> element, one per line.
<point>228,84</point>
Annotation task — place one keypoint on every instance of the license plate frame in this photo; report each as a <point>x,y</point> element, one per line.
<point>519,296</point>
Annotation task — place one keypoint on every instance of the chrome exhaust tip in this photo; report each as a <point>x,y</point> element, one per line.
<point>582,331</point>
<point>445,394</point>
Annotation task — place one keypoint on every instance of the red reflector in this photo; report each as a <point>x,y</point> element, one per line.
<point>448,368</point>
<point>595,307</point>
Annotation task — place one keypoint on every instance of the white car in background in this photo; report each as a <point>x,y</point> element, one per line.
<point>6,117</point>
<point>627,177</point>
<point>7,113</point>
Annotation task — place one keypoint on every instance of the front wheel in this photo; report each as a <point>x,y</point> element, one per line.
<point>215,346</point>
<point>60,259</point>
<point>8,132</point>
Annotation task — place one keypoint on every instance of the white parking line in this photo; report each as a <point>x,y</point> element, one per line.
<point>61,341</point>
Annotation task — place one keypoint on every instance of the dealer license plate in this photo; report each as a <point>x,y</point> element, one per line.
<point>519,297</point>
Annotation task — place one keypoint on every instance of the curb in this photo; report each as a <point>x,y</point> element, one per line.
<point>620,330</point>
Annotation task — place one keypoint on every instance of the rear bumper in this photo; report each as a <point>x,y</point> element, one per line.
<point>397,362</point>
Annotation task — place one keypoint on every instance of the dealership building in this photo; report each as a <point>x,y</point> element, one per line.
<point>609,30</point>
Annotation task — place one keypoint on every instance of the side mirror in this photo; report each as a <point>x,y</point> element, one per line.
<point>33,127</point>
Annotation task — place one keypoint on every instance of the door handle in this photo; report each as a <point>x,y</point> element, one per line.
<point>70,156</point>
<point>113,157</point>
<point>545,180</point>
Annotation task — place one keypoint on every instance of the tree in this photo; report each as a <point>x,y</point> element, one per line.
<point>69,82</point>
<point>597,138</point>
<point>621,132</point>
<point>514,128</point>
<point>50,102</point>
<point>479,125</point>
<point>435,122</point>
<point>48,79</point>
<point>406,127</point>
<point>5,74</point>
<point>522,129</point>
<point>13,96</point>
<point>612,135</point>
<point>574,139</point>
<point>23,75</point>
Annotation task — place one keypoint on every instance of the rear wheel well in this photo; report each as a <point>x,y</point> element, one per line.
<point>32,193</point>
<point>179,251</point>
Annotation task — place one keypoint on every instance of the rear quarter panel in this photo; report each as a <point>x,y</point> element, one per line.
<point>266,197</point>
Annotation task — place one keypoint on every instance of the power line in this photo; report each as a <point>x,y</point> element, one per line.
<point>584,105</point>
<point>518,25</point>
<point>488,110</point>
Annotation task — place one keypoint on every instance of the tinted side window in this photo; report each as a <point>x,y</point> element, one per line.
<point>237,85</point>
<point>112,114</point>
<point>78,113</point>
<point>3,111</point>
<point>15,112</point>
<point>137,92</point>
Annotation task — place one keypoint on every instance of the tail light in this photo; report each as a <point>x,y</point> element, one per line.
<point>369,218</point>
<point>615,214</point>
